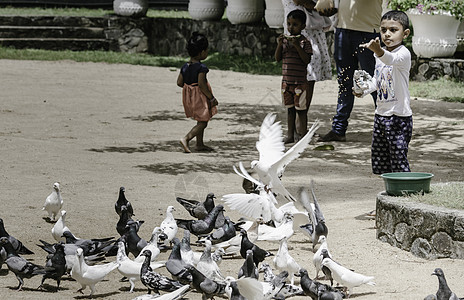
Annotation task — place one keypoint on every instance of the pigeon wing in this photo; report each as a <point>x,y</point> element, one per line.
<point>250,205</point>
<point>250,288</point>
<point>270,145</point>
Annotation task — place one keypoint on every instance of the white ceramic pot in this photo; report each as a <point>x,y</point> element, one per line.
<point>206,10</point>
<point>460,37</point>
<point>274,13</point>
<point>434,35</point>
<point>130,8</point>
<point>245,11</point>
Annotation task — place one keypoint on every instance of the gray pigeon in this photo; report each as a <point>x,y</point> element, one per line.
<point>196,208</point>
<point>313,288</point>
<point>155,281</point>
<point>123,201</point>
<point>248,269</point>
<point>89,246</point>
<point>444,292</point>
<point>176,266</point>
<point>207,287</point>
<point>134,243</point>
<point>204,226</point>
<point>17,245</point>
<point>55,266</point>
<point>18,265</point>
<point>258,254</point>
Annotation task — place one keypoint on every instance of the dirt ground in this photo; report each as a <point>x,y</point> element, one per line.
<point>96,127</point>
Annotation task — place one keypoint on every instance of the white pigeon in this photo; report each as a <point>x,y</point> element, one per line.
<point>152,245</point>
<point>177,294</point>
<point>60,227</point>
<point>317,258</point>
<point>248,287</point>
<point>283,261</point>
<point>232,246</point>
<point>285,230</point>
<point>129,268</point>
<point>87,275</point>
<point>169,226</point>
<point>345,276</point>
<point>54,202</point>
<point>272,158</point>
<point>207,266</point>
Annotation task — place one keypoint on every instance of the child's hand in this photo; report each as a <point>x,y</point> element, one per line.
<point>280,38</point>
<point>374,46</point>
<point>358,95</point>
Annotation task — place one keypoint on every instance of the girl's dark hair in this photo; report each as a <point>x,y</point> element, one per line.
<point>196,43</point>
<point>398,16</point>
<point>297,14</point>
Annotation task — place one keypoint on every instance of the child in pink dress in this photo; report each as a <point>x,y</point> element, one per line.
<point>197,96</point>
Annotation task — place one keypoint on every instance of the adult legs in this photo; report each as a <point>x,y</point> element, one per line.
<point>291,118</point>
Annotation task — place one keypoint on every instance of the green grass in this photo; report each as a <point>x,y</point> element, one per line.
<point>440,89</point>
<point>450,195</point>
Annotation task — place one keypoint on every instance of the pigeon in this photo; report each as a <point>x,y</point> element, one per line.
<point>284,262</point>
<point>317,257</point>
<point>311,287</point>
<point>153,280</point>
<point>232,246</point>
<point>70,254</point>
<point>89,247</point>
<point>176,266</point>
<point>196,208</point>
<point>327,272</point>
<point>169,226</point>
<point>186,251</point>
<point>272,283</point>
<point>152,245</point>
<point>122,201</point>
<point>444,292</point>
<point>55,266</point>
<point>18,247</point>
<point>243,288</point>
<point>284,231</point>
<point>248,269</point>
<point>204,226</point>
<point>330,295</point>
<point>130,268</point>
<point>346,277</point>
<point>207,266</point>
<point>21,267</point>
<point>217,256</point>
<point>87,275</point>
<point>226,232</point>
<point>2,256</point>
<point>207,287</point>
<point>177,294</point>
<point>317,226</point>
<point>124,218</point>
<point>60,227</point>
<point>272,159</point>
<point>258,254</point>
<point>54,202</point>
<point>134,242</point>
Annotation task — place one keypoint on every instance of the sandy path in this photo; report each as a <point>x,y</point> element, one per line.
<point>96,127</point>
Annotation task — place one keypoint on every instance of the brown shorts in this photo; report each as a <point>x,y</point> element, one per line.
<point>295,95</point>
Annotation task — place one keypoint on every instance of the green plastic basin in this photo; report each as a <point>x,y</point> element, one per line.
<point>397,184</point>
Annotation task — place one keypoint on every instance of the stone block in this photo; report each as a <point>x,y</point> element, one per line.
<point>421,248</point>
<point>441,244</point>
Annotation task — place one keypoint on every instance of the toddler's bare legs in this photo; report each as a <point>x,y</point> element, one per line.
<point>196,131</point>
<point>302,122</point>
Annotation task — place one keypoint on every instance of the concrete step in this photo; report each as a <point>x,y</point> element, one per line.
<point>73,44</point>
<point>51,32</point>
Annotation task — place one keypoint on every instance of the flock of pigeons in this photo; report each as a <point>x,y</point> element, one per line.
<point>218,234</point>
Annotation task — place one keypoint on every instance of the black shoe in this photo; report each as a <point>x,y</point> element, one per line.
<point>332,137</point>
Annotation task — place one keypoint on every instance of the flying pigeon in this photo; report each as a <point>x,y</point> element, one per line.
<point>21,267</point>
<point>317,226</point>
<point>155,281</point>
<point>207,287</point>
<point>177,294</point>
<point>176,266</point>
<point>258,254</point>
<point>283,261</point>
<point>207,266</point>
<point>130,268</point>
<point>204,226</point>
<point>345,276</point>
<point>55,266</point>
<point>123,201</point>
<point>196,208</point>
<point>444,292</point>
<point>169,226</point>
<point>54,202</point>
<point>272,159</point>
<point>18,247</point>
<point>248,269</point>
<point>87,275</point>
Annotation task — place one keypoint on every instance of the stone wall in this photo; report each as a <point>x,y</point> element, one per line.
<point>427,231</point>
<point>433,68</point>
